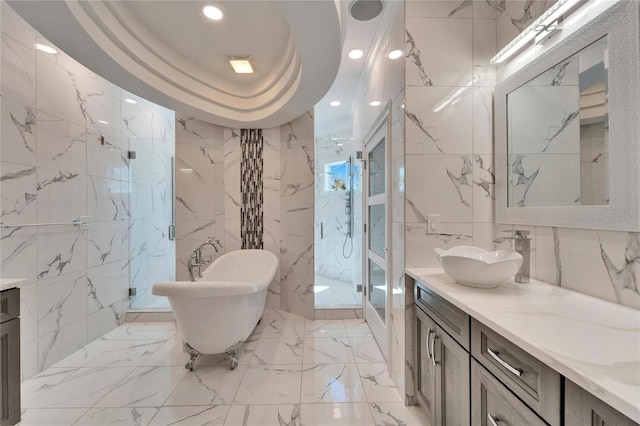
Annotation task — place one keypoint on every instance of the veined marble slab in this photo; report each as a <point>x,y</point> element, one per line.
<point>8,283</point>
<point>592,342</point>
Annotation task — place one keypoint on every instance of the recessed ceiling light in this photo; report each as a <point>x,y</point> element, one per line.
<point>334,103</point>
<point>375,103</point>
<point>356,54</point>
<point>242,64</point>
<point>339,144</point>
<point>395,54</point>
<point>212,13</point>
<point>131,101</point>
<point>46,49</point>
<point>102,122</point>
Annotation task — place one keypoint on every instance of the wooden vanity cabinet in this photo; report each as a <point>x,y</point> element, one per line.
<point>468,374</point>
<point>443,375</point>
<point>583,409</point>
<point>9,357</point>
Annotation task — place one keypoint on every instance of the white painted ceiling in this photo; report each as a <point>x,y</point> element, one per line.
<point>168,52</point>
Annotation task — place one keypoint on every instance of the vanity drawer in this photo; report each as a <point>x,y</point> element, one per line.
<point>492,404</point>
<point>9,304</point>
<point>451,319</point>
<point>531,380</point>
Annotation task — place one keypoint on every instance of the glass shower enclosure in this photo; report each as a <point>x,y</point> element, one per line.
<point>338,219</point>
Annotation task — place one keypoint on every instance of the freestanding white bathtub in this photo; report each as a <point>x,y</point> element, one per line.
<point>217,312</point>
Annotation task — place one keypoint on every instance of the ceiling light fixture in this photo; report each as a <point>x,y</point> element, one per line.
<point>131,101</point>
<point>540,25</point>
<point>375,103</point>
<point>212,12</point>
<point>356,54</point>
<point>334,103</point>
<point>46,49</point>
<point>242,64</point>
<point>395,54</point>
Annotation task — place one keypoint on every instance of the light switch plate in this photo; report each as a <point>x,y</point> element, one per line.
<point>433,222</point>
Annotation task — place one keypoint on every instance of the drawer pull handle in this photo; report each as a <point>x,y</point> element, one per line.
<point>492,420</point>
<point>505,364</point>
<point>433,351</point>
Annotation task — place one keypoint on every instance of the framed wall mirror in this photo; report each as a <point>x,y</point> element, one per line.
<point>567,132</point>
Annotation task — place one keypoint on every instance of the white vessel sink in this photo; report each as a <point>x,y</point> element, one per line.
<point>476,267</point>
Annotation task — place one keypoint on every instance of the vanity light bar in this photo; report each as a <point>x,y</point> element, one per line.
<point>561,7</point>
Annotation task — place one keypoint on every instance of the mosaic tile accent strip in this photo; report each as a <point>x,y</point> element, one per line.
<point>251,168</point>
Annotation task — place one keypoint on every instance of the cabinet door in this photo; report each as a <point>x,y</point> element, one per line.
<point>10,372</point>
<point>426,370</point>
<point>583,409</point>
<point>452,381</point>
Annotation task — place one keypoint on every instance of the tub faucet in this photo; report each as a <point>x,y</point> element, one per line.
<point>522,246</point>
<point>196,261</point>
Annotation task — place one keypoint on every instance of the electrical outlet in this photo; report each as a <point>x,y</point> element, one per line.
<point>433,221</point>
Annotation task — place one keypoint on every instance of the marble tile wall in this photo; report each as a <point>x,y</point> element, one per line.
<point>54,168</point>
<point>209,200</point>
<point>297,166</point>
<point>271,195</point>
<point>200,198</point>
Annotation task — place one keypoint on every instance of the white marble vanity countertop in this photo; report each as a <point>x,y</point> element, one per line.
<point>8,283</point>
<point>592,342</point>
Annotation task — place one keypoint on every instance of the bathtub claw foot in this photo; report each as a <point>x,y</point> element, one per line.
<point>233,363</point>
<point>194,354</point>
<point>231,355</point>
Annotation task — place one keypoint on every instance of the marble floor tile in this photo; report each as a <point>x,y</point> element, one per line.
<point>209,415</point>
<point>134,416</point>
<point>276,328</point>
<point>264,415</point>
<point>170,354</point>
<point>50,416</point>
<point>378,385</point>
<point>324,328</point>
<point>331,383</point>
<point>278,351</point>
<point>365,349</point>
<point>338,414</point>
<point>135,375</point>
<point>126,353</point>
<point>82,388</point>
<point>357,328</point>
<point>277,314</point>
<point>39,384</point>
<point>207,385</point>
<point>124,332</point>
<point>327,350</point>
<point>398,414</point>
<point>155,331</point>
<point>244,355</point>
<point>83,356</point>
<point>144,387</point>
<point>270,384</point>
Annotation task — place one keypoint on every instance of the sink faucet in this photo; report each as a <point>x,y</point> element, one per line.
<point>196,260</point>
<point>522,246</point>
